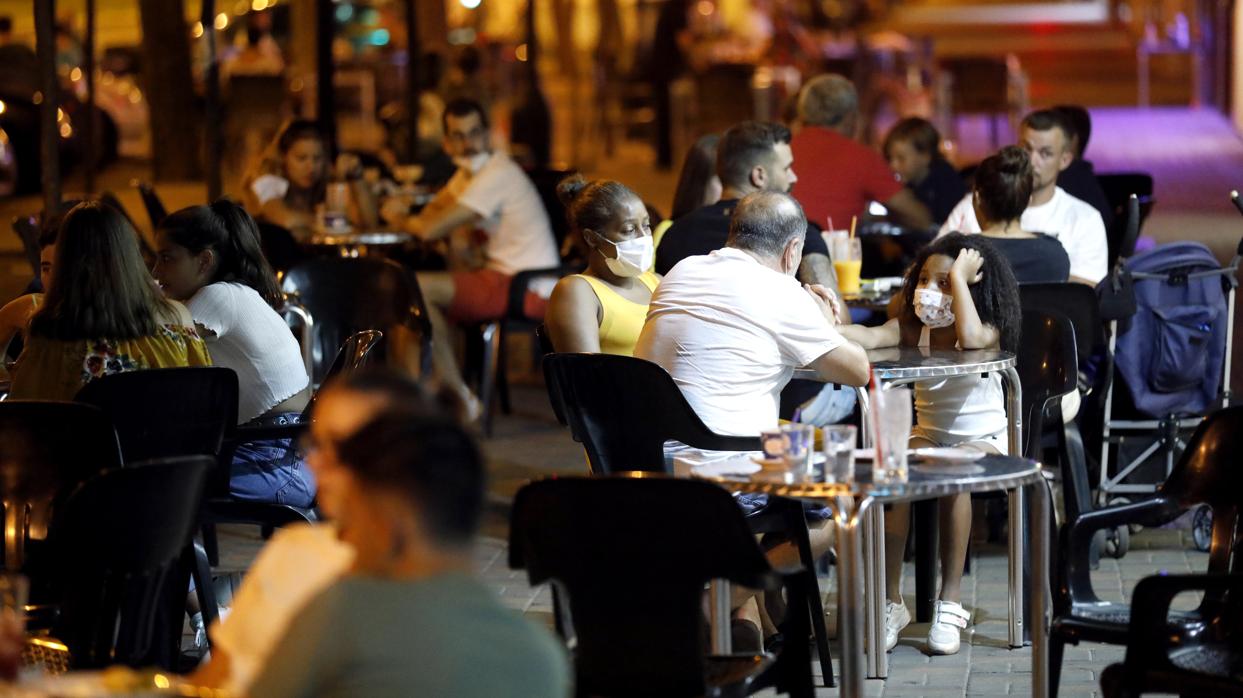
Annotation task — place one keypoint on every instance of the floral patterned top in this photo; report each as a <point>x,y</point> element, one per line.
<point>55,369</point>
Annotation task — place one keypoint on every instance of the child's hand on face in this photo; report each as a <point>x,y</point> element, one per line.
<point>826,301</point>
<point>967,266</point>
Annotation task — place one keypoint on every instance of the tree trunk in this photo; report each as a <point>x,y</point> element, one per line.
<point>170,90</point>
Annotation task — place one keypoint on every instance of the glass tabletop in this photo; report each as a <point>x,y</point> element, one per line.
<point>927,478</point>
<point>903,363</point>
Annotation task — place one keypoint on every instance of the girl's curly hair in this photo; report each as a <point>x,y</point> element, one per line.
<point>996,295</point>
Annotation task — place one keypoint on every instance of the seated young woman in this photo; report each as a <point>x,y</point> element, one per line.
<point>208,257</point>
<point>291,180</point>
<point>1003,186</point>
<point>15,315</point>
<point>603,309</point>
<point>102,313</point>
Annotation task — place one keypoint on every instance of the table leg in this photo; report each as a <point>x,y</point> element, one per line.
<point>1014,410</point>
<point>850,607</point>
<point>1015,566</point>
<point>924,516</point>
<point>865,418</point>
<point>880,658</point>
<point>718,621</point>
<point>1040,597</point>
<point>868,571</point>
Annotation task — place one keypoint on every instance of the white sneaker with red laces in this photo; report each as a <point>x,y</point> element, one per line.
<point>948,620</point>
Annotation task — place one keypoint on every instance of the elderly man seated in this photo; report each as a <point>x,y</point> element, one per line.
<point>731,326</point>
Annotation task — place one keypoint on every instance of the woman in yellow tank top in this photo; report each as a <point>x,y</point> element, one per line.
<point>603,309</point>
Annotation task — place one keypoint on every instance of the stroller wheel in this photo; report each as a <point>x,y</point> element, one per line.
<point>1202,528</point>
<point>1118,501</point>
<point>1117,541</point>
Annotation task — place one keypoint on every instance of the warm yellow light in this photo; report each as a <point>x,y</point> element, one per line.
<point>259,5</point>
<point>469,4</point>
<point>37,98</point>
<point>161,681</point>
<point>135,96</point>
<point>3,107</point>
<point>222,21</point>
<point>75,74</point>
<point>66,130</point>
<point>521,52</point>
<point>705,7</point>
<point>197,31</point>
<point>60,114</point>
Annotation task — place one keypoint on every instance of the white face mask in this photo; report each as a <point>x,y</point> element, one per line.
<point>472,163</point>
<point>634,256</point>
<point>933,308</point>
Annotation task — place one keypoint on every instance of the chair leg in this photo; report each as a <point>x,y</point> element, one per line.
<point>487,382</point>
<point>924,516</point>
<point>791,673</point>
<point>211,544</point>
<point>815,605</point>
<point>1057,647</point>
<point>203,585</point>
<point>502,372</point>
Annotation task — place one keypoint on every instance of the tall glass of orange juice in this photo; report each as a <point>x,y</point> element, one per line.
<point>847,263</point>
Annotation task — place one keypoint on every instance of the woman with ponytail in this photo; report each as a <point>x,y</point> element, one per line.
<point>209,258</point>
<point>603,309</point>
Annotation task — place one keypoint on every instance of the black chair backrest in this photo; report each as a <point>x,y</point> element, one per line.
<point>544,339</point>
<point>47,446</point>
<point>27,230</point>
<point>1208,473</point>
<point>1078,303</point>
<point>635,582</point>
<point>151,201</point>
<point>354,354</point>
<point>624,409</point>
<point>349,295</point>
<point>545,181</point>
<point>1118,188</point>
<point>279,247</point>
<point>1047,370</point>
<point>118,543</point>
<point>164,412</point>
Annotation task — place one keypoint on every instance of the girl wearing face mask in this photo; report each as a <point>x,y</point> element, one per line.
<point>959,294</point>
<point>603,309</point>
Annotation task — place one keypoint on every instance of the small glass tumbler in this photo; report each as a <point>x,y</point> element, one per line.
<point>891,421</point>
<point>839,452</point>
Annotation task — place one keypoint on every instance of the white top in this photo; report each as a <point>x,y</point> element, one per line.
<point>1072,221</point>
<point>731,332</point>
<point>293,567</point>
<point>268,187</point>
<point>245,334</point>
<point>514,219</point>
<point>961,409</point>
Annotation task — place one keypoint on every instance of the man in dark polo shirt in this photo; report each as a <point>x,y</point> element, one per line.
<point>752,156</point>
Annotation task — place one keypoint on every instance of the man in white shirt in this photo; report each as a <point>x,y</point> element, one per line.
<point>494,204</point>
<point>731,326</point>
<point>1076,224</point>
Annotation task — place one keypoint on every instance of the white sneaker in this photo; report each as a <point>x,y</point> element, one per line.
<point>948,620</point>
<point>896,618</point>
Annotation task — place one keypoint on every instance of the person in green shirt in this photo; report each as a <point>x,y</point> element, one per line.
<point>408,619</point>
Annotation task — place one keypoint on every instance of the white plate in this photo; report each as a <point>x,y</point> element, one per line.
<point>948,455</point>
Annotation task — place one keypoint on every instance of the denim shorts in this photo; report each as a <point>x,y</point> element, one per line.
<point>272,471</point>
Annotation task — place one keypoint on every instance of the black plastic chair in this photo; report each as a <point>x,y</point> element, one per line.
<point>623,410</point>
<point>120,543</point>
<point>1207,473</point>
<point>350,295</point>
<point>1211,665</point>
<point>1129,219</point>
<point>487,361</point>
<point>156,210</point>
<point>280,247</point>
<point>634,585</point>
<point>47,448</point>
<point>165,412</point>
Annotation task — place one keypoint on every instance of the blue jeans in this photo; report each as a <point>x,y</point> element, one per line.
<point>272,471</point>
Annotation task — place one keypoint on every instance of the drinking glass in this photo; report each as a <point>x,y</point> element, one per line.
<point>14,593</point>
<point>848,264</point>
<point>891,420</point>
<point>839,452</point>
<point>792,444</point>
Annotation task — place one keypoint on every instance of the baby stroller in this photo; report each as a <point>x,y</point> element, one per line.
<point>1170,367</point>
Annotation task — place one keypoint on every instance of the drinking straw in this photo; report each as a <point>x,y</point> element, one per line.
<point>831,228</point>
<point>853,221</point>
<point>797,417</point>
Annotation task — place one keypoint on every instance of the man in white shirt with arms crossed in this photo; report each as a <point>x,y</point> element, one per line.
<point>1046,137</point>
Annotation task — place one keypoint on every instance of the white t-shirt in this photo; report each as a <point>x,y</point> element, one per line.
<point>298,563</point>
<point>1072,221</point>
<point>268,187</point>
<point>731,332</point>
<point>245,334</point>
<point>519,235</point>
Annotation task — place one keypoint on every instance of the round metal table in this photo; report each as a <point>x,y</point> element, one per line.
<point>351,244</point>
<point>853,504</point>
